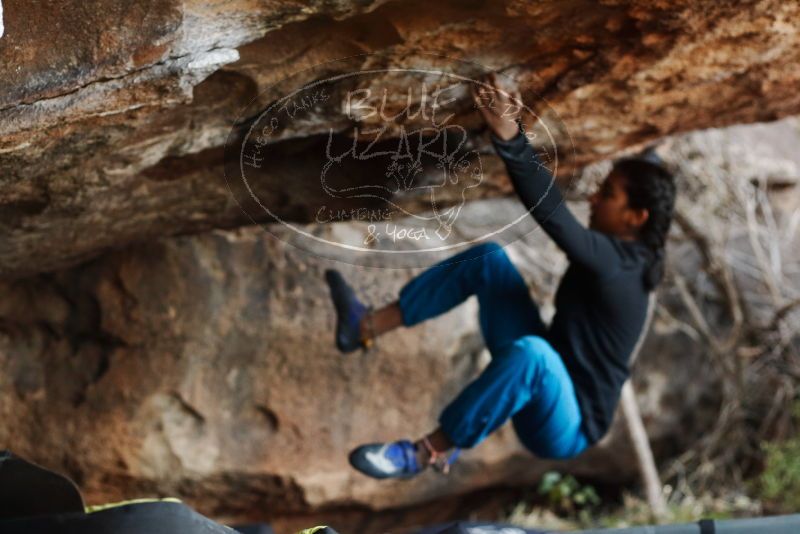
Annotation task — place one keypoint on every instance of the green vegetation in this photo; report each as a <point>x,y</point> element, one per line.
<point>563,503</point>
<point>779,484</point>
<point>565,494</point>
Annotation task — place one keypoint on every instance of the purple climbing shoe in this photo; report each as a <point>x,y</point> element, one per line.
<point>386,460</point>
<point>349,312</point>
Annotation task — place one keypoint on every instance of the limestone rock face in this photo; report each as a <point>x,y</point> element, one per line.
<point>113,115</point>
<point>203,367</point>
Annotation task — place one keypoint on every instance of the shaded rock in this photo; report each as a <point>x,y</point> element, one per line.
<point>113,118</point>
<point>204,367</point>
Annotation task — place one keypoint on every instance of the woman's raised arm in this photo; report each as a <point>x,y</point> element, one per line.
<point>535,185</point>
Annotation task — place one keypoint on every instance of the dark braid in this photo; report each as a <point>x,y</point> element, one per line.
<point>650,186</point>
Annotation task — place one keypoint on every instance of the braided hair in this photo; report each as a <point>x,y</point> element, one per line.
<point>652,187</point>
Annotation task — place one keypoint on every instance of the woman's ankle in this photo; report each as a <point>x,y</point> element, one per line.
<point>366,327</point>
<point>434,450</point>
<point>439,441</point>
<point>377,322</point>
<point>433,445</point>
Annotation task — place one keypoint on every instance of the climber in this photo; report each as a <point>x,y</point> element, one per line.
<point>558,385</point>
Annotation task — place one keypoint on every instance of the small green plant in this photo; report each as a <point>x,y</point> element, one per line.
<point>566,495</point>
<point>780,481</point>
<point>635,511</point>
<point>779,484</point>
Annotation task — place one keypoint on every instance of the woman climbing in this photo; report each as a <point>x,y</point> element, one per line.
<point>559,385</point>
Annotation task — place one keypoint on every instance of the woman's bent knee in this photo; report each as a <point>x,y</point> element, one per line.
<point>533,350</point>
<point>489,251</point>
<point>563,447</point>
<point>536,344</point>
<point>488,247</point>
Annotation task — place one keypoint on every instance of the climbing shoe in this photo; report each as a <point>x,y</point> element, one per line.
<point>318,530</point>
<point>349,312</point>
<point>386,460</point>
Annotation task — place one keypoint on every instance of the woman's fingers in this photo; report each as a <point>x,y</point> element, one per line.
<point>477,95</point>
<point>483,97</point>
<point>476,90</point>
<point>491,98</point>
<point>498,107</point>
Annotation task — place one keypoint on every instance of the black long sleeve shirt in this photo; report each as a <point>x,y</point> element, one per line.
<point>601,302</point>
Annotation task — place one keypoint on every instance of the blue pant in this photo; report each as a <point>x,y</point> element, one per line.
<point>525,380</point>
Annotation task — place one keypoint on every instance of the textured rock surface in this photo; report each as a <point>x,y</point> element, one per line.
<point>203,367</point>
<point>112,117</point>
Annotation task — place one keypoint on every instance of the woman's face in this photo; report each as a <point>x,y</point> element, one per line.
<point>610,212</point>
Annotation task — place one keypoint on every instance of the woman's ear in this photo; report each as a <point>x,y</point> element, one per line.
<point>637,217</point>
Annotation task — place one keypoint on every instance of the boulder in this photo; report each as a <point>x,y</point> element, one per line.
<point>113,117</point>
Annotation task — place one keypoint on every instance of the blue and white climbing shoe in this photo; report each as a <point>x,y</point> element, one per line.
<point>387,460</point>
<point>349,312</point>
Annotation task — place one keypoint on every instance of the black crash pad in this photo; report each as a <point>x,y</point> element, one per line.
<point>29,490</point>
<point>143,518</point>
